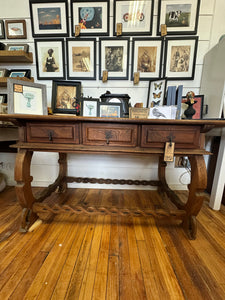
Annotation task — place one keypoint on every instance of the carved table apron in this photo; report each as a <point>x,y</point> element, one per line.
<point>69,134</point>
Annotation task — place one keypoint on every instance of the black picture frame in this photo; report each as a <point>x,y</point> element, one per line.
<point>16,29</point>
<point>137,19</point>
<point>198,106</point>
<point>20,73</point>
<point>143,51</point>
<point>66,96</point>
<point>78,52</point>
<point>96,13</point>
<point>116,69</point>
<point>105,110</point>
<point>89,107</point>
<point>180,58</point>
<point>185,23</point>
<point>58,27</point>
<point>50,65</point>
<point>156,92</point>
<point>2,30</point>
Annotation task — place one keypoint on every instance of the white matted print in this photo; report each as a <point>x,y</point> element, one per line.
<point>135,16</point>
<point>81,59</point>
<point>160,112</point>
<point>146,58</point>
<point>50,60</point>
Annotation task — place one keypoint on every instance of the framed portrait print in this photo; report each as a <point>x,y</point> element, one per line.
<point>146,58</point>
<point>89,107</point>
<point>2,30</point>
<point>49,18</point>
<point>156,92</point>
<point>110,110</point>
<point>135,16</point>
<point>180,17</point>
<point>114,57</point>
<point>50,59</point>
<point>81,58</point>
<point>16,29</point>
<point>27,98</point>
<point>198,107</point>
<point>180,58</point>
<point>66,97</point>
<point>91,15</point>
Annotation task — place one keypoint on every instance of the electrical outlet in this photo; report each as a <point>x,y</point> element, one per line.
<point>182,162</point>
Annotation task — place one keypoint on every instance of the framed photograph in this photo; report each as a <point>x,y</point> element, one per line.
<point>20,73</point>
<point>81,59</point>
<point>110,110</point>
<point>146,58</point>
<point>50,59</point>
<point>17,47</point>
<point>2,30</point>
<point>114,57</point>
<point>180,17</point>
<point>89,107</point>
<point>198,106</point>
<point>91,15</point>
<point>156,92</point>
<point>49,18</point>
<point>180,58</point>
<point>16,29</point>
<point>4,73</point>
<point>135,16</point>
<point>27,98</point>
<point>66,97</point>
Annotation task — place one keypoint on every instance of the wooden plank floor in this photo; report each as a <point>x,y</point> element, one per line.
<point>104,257</point>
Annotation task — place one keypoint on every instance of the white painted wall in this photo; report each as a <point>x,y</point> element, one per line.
<point>44,166</point>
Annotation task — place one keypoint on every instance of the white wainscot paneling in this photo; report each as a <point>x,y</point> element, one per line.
<point>207,7</point>
<point>204,27</point>
<point>14,9</point>
<point>203,47</point>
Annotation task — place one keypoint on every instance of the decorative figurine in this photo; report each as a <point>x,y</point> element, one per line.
<point>190,111</point>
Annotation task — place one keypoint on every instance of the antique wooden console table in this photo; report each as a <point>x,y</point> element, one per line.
<point>69,134</point>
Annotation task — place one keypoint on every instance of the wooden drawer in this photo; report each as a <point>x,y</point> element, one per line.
<point>109,134</point>
<point>60,133</point>
<point>182,136</point>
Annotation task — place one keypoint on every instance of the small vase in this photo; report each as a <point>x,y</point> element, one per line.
<point>190,111</point>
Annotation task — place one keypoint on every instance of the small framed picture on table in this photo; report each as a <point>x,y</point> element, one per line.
<point>89,107</point>
<point>110,110</point>
<point>156,92</point>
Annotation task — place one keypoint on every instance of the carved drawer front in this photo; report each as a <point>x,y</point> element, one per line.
<point>53,133</point>
<point>182,136</point>
<point>110,134</point>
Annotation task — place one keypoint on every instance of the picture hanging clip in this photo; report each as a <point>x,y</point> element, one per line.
<point>77,30</point>
<point>136,77</point>
<point>104,76</point>
<point>163,30</point>
<point>119,30</point>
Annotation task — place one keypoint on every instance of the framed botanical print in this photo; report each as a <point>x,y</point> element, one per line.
<point>146,58</point>
<point>81,58</point>
<point>27,98</point>
<point>91,15</point>
<point>2,30</point>
<point>114,57</point>
<point>66,97</point>
<point>198,107</point>
<point>49,18</point>
<point>16,29</point>
<point>156,92</point>
<point>135,16</point>
<point>179,16</point>
<point>180,58</point>
<point>50,59</point>
<point>89,107</point>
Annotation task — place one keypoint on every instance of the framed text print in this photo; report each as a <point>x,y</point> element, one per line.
<point>179,16</point>
<point>135,16</point>
<point>180,58</point>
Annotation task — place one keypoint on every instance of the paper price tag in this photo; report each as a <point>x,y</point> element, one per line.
<point>119,27</point>
<point>18,88</point>
<point>77,30</point>
<point>136,77</point>
<point>169,151</point>
<point>104,76</point>
<point>163,30</point>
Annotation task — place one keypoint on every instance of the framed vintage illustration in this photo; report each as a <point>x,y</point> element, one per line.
<point>16,29</point>
<point>49,18</point>
<point>198,107</point>
<point>50,59</point>
<point>114,57</point>
<point>20,73</point>
<point>27,98</point>
<point>180,17</point>
<point>91,15</point>
<point>135,16</point>
<point>17,47</point>
<point>81,59</point>
<point>110,110</point>
<point>156,92</point>
<point>66,97</point>
<point>180,57</point>
<point>146,58</point>
<point>89,107</point>
<point>2,30</point>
